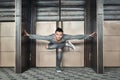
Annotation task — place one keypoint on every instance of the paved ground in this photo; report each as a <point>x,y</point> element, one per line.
<point>67,74</point>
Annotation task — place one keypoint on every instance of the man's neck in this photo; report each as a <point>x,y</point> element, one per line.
<point>57,40</point>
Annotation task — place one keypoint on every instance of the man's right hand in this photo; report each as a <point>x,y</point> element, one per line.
<point>26,33</point>
<point>92,34</point>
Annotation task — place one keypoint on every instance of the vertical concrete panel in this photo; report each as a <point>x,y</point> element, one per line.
<point>111,43</point>
<point>7,44</point>
<point>45,57</point>
<point>74,58</point>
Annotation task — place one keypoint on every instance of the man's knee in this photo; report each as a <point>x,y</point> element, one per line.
<point>59,50</point>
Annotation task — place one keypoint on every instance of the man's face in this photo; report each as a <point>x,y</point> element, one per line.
<point>58,35</point>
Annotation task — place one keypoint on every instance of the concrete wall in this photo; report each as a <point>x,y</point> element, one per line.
<point>71,58</point>
<point>7,44</point>
<point>45,57</point>
<point>111,43</point>
<point>74,58</point>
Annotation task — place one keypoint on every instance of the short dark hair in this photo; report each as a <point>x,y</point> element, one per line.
<point>59,30</point>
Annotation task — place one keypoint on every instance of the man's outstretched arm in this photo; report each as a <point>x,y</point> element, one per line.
<point>39,37</point>
<point>85,36</point>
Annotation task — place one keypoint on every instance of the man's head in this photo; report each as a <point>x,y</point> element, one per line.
<point>58,34</point>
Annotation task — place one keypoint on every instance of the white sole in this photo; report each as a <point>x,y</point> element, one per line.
<point>58,71</point>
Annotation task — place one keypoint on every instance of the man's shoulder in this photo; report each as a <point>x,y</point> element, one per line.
<point>65,34</point>
<point>52,35</point>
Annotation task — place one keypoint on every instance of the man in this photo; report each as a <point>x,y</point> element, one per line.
<point>58,41</point>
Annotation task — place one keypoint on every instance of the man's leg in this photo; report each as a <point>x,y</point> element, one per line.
<point>52,46</point>
<point>58,59</point>
<point>69,44</point>
<point>55,45</point>
<point>59,50</point>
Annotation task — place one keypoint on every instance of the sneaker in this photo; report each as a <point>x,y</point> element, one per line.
<point>69,44</point>
<point>58,69</point>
